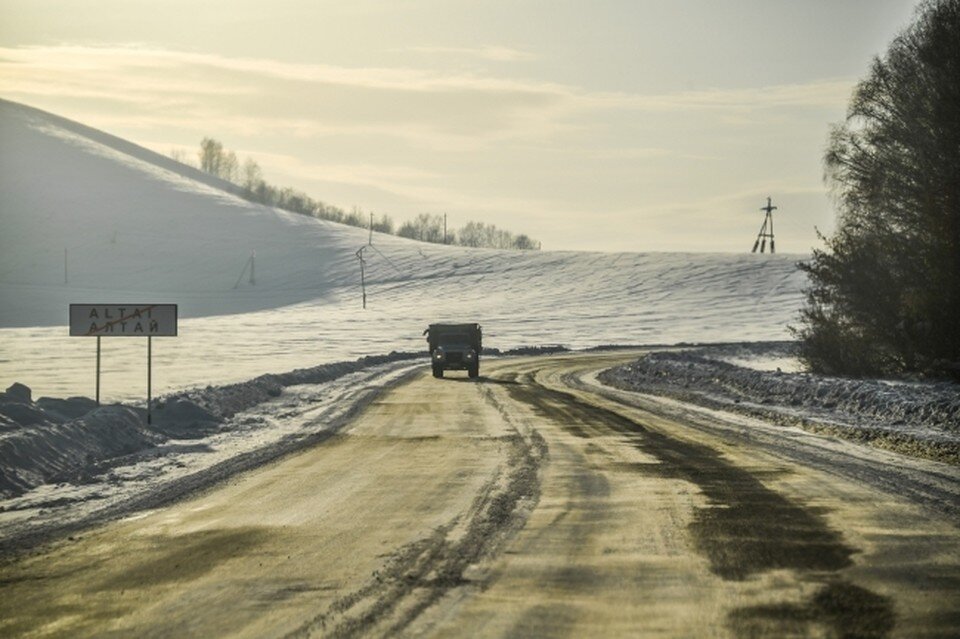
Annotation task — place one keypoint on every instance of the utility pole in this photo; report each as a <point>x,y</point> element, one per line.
<point>250,263</point>
<point>363,281</point>
<point>766,231</point>
<point>370,242</point>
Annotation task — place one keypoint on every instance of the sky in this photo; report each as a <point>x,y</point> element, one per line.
<point>644,125</point>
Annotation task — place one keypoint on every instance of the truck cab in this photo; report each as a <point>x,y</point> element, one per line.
<point>454,347</point>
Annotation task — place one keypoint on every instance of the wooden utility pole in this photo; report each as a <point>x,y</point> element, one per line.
<point>251,264</point>
<point>363,280</point>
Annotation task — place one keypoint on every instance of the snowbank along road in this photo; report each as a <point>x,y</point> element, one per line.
<point>529,502</point>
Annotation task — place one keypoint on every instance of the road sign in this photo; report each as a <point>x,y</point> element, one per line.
<point>123,320</point>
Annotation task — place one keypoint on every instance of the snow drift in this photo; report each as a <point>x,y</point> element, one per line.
<point>914,418</point>
<point>56,440</point>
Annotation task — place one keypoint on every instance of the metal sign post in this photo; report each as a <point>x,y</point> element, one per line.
<point>98,370</point>
<point>149,376</point>
<point>125,320</point>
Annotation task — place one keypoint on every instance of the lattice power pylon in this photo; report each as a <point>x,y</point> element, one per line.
<point>766,230</point>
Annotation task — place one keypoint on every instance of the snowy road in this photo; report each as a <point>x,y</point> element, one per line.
<point>527,503</point>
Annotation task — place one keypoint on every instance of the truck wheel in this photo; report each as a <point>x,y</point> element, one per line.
<point>474,370</point>
<point>437,371</point>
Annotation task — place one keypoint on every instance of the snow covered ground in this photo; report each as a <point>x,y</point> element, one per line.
<point>89,218</point>
<point>761,380</point>
<point>134,226</point>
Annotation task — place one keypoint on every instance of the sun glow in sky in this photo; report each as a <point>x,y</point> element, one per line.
<point>604,125</point>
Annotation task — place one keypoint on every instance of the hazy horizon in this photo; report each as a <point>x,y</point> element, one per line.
<point>614,126</point>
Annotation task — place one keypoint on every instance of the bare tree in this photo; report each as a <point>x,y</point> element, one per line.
<point>251,176</point>
<point>211,156</point>
<point>216,161</point>
<point>182,156</point>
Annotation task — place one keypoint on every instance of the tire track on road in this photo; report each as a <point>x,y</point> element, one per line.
<point>418,575</point>
<point>745,529</point>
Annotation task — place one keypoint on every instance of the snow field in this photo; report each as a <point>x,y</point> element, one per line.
<point>88,218</point>
<point>138,227</point>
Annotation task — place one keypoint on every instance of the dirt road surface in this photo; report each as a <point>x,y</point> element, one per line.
<point>529,502</point>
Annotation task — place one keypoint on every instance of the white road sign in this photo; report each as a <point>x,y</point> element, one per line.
<point>123,320</point>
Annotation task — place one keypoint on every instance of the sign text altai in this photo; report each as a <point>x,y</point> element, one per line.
<point>123,320</point>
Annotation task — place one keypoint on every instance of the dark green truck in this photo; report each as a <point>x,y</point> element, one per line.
<point>455,347</point>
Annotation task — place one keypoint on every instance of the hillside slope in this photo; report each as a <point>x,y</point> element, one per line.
<point>86,214</point>
<point>90,218</point>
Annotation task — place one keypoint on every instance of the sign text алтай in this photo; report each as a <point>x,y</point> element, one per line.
<point>123,320</point>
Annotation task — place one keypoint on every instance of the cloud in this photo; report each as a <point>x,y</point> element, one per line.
<point>421,109</point>
<point>366,174</point>
<point>739,206</point>
<point>825,93</point>
<point>444,110</point>
<point>18,64</point>
<point>413,139</point>
<point>100,58</point>
<point>493,53</point>
<point>633,154</point>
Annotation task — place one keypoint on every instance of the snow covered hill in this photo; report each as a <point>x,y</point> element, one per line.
<point>88,218</point>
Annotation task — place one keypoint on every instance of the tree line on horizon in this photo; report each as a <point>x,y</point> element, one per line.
<point>426,227</point>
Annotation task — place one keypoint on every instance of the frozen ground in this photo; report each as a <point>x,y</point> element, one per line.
<point>58,473</point>
<point>88,218</point>
<point>137,227</point>
<point>916,418</point>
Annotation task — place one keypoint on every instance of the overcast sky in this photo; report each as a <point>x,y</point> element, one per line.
<point>589,125</point>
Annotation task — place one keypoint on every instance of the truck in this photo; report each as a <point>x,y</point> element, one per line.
<point>455,347</point>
